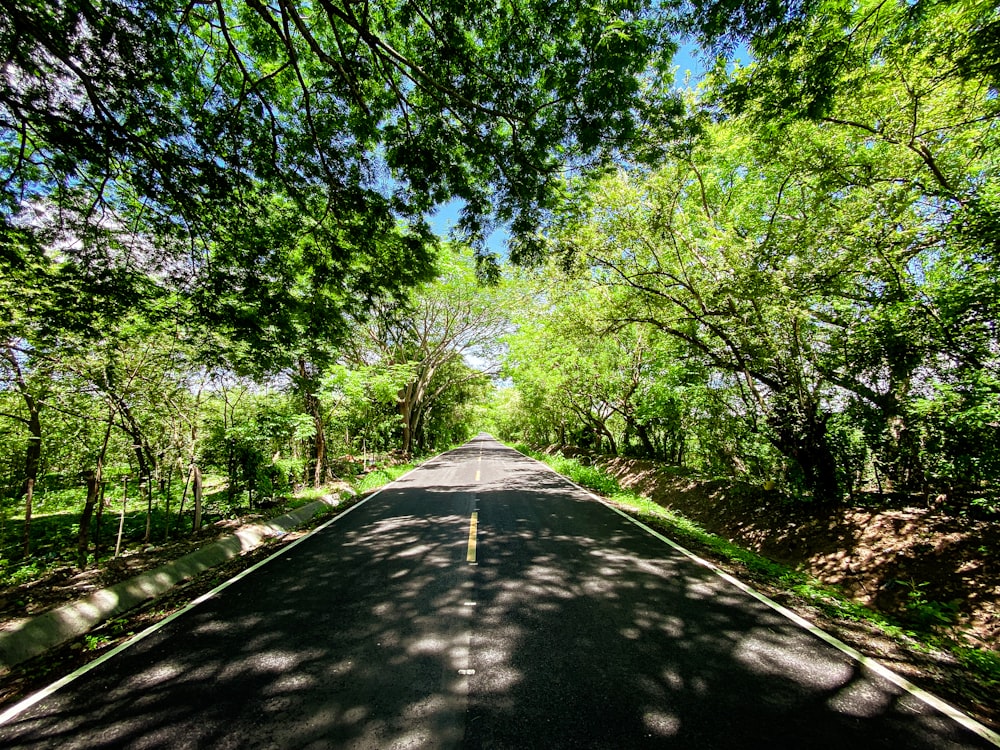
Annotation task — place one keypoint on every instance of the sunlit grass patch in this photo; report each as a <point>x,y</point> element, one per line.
<point>381,476</point>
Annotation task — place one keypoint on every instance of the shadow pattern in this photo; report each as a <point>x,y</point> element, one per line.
<point>572,629</point>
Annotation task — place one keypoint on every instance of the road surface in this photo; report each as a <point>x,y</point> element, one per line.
<point>482,602</point>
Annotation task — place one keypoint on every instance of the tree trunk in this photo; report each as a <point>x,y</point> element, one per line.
<point>143,453</point>
<point>196,492</point>
<point>642,433</point>
<point>600,428</point>
<point>97,496</point>
<point>184,494</point>
<point>146,492</point>
<point>307,384</point>
<point>33,453</point>
<point>121,519</point>
<point>166,510</point>
<point>406,412</point>
<point>26,539</point>
<point>98,520</point>
<point>93,491</point>
<point>411,400</point>
<point>320,471</point>
<point>612,443</point>
<point>901,449</point>
<point>801,435</point>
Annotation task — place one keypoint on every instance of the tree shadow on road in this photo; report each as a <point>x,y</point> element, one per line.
<point>581,630</point>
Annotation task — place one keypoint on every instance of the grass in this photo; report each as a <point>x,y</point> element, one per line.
<point>55,525</point>
<point>379,477</point>
<point>831,602</point>
<point>56,518</point>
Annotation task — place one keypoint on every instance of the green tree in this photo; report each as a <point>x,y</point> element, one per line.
<point>448,321</point>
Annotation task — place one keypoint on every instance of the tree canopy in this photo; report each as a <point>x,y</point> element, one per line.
<point>198,134</point>
<point>820,247</point>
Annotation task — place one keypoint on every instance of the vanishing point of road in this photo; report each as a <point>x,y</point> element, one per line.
<point>484,602</point>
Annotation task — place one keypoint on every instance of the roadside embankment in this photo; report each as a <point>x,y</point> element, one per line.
<point>32,636</point>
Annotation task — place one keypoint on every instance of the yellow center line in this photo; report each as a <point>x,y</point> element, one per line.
<point>473,526</point>
<point>477,475</point>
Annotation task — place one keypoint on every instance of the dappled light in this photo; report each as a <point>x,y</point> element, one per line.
<point>228,305</point>
<point>573,628</point>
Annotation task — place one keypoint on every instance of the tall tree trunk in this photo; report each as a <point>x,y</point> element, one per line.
<point>320,464</point>
<point>26,538</point>
<point>410,402</point>
<point>33,452</point>
<point>166,510</point>
<point>184,494</point>
<point>648,449</point>
<point>93,480</point>
<point>95,496</point>
<point>406,412</point>
<point>191,456</point>
<point>121,519</point>
<point>196,493</point>
<point>612,443</point>
<point>321,469</point>
<point>146,492</point>
<point>144,454</point>
<point>98,520</point>
<point>901,450</point>
<point>801,434</point>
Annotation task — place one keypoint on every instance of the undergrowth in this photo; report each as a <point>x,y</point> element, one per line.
<point>833,603</point>
<point>379,477</point>
<point>54,534</point>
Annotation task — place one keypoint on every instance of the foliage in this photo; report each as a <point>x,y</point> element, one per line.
<point>819,256</point>
<point>244,439</point>
<point>214,251</point>
<point>234,125</point>
<point>383,475</point>
<point>437,352</point>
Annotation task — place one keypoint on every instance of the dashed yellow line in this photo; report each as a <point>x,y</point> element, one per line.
<point>477,475</point>
<point>473,530</point>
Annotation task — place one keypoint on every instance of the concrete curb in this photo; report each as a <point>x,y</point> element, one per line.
<point>49,629</point>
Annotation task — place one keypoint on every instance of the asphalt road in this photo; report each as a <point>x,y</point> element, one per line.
<point>553,623</point>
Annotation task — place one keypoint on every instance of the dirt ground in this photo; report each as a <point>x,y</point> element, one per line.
<point>67,584</point>
<point>917,563</point>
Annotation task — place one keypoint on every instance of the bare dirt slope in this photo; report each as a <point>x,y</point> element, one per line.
<point>911,561</point>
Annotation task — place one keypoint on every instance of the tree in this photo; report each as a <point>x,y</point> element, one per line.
<point>449,320</point>
<point>809,254</point>
<point>583,375</point>
<point>31,419</point>
<point>362,402</point>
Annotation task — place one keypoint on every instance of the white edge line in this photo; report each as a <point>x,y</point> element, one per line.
<point>45,692</point>
<point>875,666</point>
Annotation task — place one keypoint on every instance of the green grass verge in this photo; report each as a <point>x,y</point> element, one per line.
<point>55,523</point>
<point>833,603</point>
<point>382,476</point>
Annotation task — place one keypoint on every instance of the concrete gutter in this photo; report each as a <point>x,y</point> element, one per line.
<point>49,629</point>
